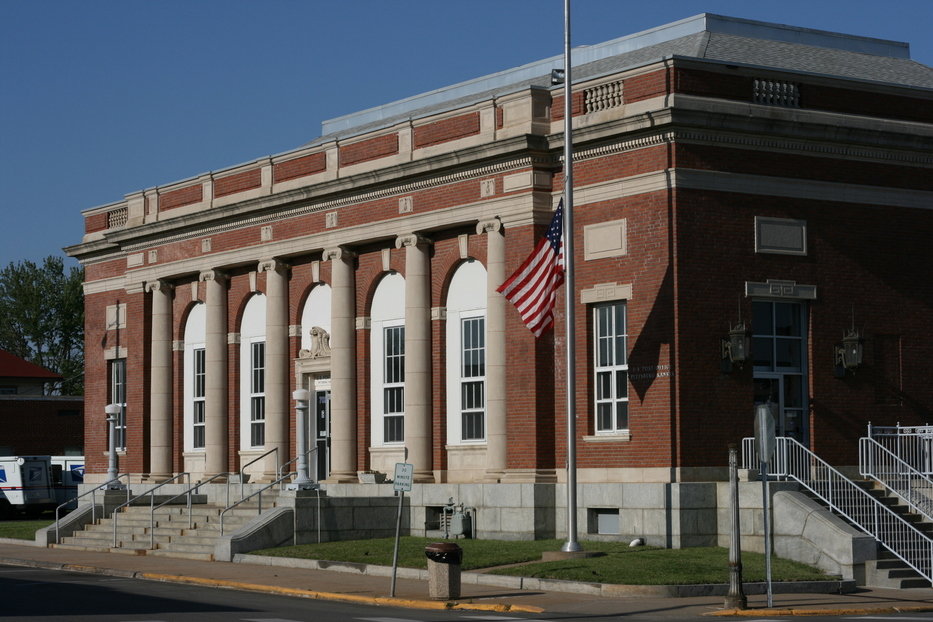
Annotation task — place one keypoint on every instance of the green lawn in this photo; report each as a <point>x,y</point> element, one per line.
<point>618,564</point>
<point>23,529</point>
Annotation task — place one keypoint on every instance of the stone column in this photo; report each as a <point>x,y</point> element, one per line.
<point>418,427</point>
<point>342,365</point>
<point>215,374</point>
<point>160,382</point>
<point>277,365</point>
<point>495,350</point>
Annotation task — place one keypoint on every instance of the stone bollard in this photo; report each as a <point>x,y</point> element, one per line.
<point>444,560</point>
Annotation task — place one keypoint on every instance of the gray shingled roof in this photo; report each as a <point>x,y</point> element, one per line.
<point>709,37</point>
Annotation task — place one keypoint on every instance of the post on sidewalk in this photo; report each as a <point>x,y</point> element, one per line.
<point>735,598</point>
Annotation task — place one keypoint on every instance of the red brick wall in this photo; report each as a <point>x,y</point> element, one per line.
<point>446,130</point>
<point>239,182</point>
<point>299,167</point>
<point>41,426</point>
<point>95,222</point>
<point>180,197</point>
<point>370,149</point>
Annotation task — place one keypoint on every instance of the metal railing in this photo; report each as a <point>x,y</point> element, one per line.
<point>284,468</point>
<point>795,462</point>
<point>912,444</point>
<point>274,450</point>
<point>189,493</point>
<point>881,464</point>
<point>151,494</point>
<point>257,493</point>
<point>93,494</point>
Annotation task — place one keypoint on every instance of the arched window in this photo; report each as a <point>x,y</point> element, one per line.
<point>387,349</point>
<point>253,374</point>
<point>466,355</point>
<point>194,365</point>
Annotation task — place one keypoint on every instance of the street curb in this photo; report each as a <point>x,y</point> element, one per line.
<point>409,603</point>
<point>271,589</point>
<point>841,611</point>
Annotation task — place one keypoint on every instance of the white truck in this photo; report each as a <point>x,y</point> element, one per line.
<point>25,485</point>
<point>67,474</point>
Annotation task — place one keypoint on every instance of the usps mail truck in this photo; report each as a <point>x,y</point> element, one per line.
<point>25,485</point>
<point>67,474</point>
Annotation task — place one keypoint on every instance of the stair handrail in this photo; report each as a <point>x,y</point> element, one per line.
<point>284,467</point>
<point>883,465</point>
<point>911,443</point>
<point>274,450</point>
<point>244,499</point>
<point>149,492</point>
<point>845,497</point>
<point>92,492</point>
<point>189,492</point>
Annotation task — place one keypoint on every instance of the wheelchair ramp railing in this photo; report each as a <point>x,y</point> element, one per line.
<point>899,477</point>
<point>911,443</point>
<point>795,462</point>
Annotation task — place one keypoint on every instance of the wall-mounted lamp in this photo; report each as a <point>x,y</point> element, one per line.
<point>735,349</point>
<point>847,356</point>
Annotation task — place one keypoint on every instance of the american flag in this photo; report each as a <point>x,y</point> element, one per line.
<point>533,287</point>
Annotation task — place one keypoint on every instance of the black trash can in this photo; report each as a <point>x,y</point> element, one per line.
<point>444,559</point>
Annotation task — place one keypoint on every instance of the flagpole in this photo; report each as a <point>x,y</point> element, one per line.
<point>571,545</point>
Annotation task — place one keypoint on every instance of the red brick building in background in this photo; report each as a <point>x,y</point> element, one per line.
<point>729,175</point>
<point>31,422</point>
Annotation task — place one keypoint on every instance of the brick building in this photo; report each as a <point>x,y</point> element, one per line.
<point>730,176</point>
<point>32,422</point>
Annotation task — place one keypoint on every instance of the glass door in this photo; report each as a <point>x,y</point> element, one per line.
<point>779,346</point>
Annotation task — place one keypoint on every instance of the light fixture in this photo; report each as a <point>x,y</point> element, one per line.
<point>847,356</point>
<point>557,77</point>
<point>735,349</point>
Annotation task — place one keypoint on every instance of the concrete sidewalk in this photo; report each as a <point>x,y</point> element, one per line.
<point>366,588</point>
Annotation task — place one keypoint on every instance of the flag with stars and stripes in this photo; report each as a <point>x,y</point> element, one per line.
<point>533,287</point>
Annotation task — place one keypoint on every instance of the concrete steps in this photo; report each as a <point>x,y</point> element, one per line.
<point>171,533</point>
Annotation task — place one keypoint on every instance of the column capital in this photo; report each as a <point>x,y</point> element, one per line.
<point>337,253</point>
<point>273,265</point>
<point>488,226</point>
<point>213,275</point>
<point>158,286</point>
<point>412,239</point>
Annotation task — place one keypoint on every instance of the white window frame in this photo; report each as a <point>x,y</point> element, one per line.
<point>393,380</point>
<point>610,368</point>
<point>476,378</point>
<point>118,396</point>
<point>257,393</point>
<point>198,401</point>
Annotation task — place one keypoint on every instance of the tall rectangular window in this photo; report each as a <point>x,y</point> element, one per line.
<point>610,348</point>
<point>473,378</point>
<point>198,399</point>
<point>257,397</point>
<point>118,396</point>
<point>393,385</point>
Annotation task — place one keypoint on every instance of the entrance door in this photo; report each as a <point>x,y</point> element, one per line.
<point>321,433</point>
<point>779,348</point>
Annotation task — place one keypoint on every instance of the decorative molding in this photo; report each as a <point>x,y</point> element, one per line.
<point>158,286</point>
<point>780,236</point>
<point>294,330</point>
<point>253,281</point>
<point>406,205</point>
<point>604,292</point>
<point>265,233</point>
<point>206,245</point>
<point>412,239</point>
<point>463,244</point>
<point>233,338</point>
<point>153,256</point>
<point>116,352</point>
<point>178,345</point>
<point>487,187</point>
<point>320,344</point>
<point>605,239</point>
<point>274,265</point>
<point>213,275</point>
<point>364,322</point>
<point>773,288</point>
<point>486,226</point>
<point>330,220</point>
<point>438,313</point>
<point>386,259</point>
<point>315,271</point>
<point>337,253</point>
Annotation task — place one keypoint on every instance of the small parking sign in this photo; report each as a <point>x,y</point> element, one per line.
<point>404,473</point>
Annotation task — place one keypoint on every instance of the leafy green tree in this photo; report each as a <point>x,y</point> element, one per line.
<point>42,319</point>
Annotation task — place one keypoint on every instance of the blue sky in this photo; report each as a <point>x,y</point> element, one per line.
<point>100,98</point>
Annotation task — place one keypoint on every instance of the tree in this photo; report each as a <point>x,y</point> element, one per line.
<point>42,319</point>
